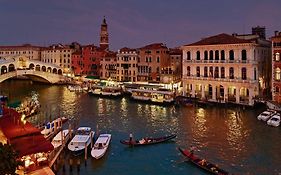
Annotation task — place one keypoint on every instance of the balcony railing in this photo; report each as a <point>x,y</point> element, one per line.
<point>221,61</point>
<point>226,79</point>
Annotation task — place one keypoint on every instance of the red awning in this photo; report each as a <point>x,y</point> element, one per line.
<point>12,126</point>
<point>25,138</point>
<point>31,145</point>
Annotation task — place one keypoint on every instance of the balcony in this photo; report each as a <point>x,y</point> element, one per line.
<point>226,79</point>
<point>222,61</point>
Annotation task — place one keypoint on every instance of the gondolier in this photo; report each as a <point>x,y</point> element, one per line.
<point>131,137</point>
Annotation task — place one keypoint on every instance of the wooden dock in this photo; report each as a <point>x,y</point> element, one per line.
<point>55,153</point>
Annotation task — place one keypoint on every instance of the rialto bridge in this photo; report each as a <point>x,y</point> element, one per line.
<point>35,70</point>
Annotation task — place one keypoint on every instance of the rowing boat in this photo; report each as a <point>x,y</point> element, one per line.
<point>202,163</point>
<point>147,140</point>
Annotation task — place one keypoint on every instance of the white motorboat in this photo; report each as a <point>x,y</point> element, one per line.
<point>82,138</point>
<point>274,120</point>
<point>101,146</point>
<point>265,115</point>
<point>50,126</point>
<point>57,140</point>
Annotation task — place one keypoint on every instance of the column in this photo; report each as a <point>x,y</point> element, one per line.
<point>203,91</point>
<point>251,93</point>
<point>214,90</point>
<point>193,90</point>
<point>184,88</point>
<point>225,98</point>
<point>237,94</point>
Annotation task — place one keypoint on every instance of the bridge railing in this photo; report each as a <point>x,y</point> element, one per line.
<point>51,77</point>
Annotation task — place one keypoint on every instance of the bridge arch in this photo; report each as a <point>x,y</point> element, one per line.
<point>3,69</point>
<point>44,68</point>
<point>31,66</point>
<point>11,68</point>
<point>37,67</point>
<point>55,71</point>
<point>49,69</point>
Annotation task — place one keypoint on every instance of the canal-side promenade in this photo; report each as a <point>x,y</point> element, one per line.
<point>235,142</point>
<point>25,139</point>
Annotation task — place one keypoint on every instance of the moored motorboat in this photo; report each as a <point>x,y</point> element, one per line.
<point>57,140</point>
<point>101,146</point>
<point>82,138</point>
<point>50,126</point>
<point>202,163</point>
<point>147,140</point>
<point>274,120</point>
<point>265,115</point>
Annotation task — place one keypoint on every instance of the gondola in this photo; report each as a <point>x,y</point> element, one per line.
<point>147,140</point>
<point>202,163</point>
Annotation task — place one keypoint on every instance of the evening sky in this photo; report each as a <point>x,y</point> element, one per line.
<point>132,23</point>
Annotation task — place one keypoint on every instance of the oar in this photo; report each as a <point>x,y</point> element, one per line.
<point>183,160</point>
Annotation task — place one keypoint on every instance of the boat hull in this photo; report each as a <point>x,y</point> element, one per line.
<point>98,153</point>
<point>149,141</point>
<point>204,165</point>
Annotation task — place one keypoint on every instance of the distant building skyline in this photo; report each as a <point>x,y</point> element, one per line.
<point>131,23</point>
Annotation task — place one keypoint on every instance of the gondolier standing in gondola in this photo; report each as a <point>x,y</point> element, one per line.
<point>192,148</point>
<point>131,138</point>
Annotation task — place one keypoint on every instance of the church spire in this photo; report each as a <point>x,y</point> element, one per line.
<point>104,35</point>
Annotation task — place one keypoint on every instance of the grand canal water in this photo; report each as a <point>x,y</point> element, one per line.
<point>233,139</point>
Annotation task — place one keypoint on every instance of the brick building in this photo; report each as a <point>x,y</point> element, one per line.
<point>152,58</point>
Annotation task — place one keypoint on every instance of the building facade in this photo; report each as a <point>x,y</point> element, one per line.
<point>108,66</point>
<point>28,51</point>
<point>127,65</point>
<point>276,67</point>
<point>152,58</point>
<point>87,61</point>
<point>224,68</point>
<point>60,55</point>
<point>172,72</point>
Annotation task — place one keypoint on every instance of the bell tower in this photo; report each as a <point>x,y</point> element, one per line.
<point>104,36</point>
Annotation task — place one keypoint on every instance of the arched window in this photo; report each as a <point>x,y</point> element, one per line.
<point>277,56</point>
<point>244,55</point>
<point>205,55</point>
<point>277,74</point>
<point>222,55</point>
<point>231,55</point>
<point>216,72</point>
<point>244,73</point>
<point>205,71</point>
<point>198,55</point>
<point>255,74</point>
<point>188,56</point>
<point>188,71</point>
<point>222,72</point>
<point>231,73</point>
<point>211,72</point>
<point>197,71</point>
<point>211,55</point>
<point>277,90</point>
<point>217,56</point>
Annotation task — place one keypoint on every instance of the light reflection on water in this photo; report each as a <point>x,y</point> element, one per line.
<point>238,144</point>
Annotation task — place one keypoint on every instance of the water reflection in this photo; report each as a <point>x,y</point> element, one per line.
<point>238,144</point>
<point>235,135</point>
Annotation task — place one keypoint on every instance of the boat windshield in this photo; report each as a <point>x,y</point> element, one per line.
<point>274,119</point>
<point>83,132</point>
